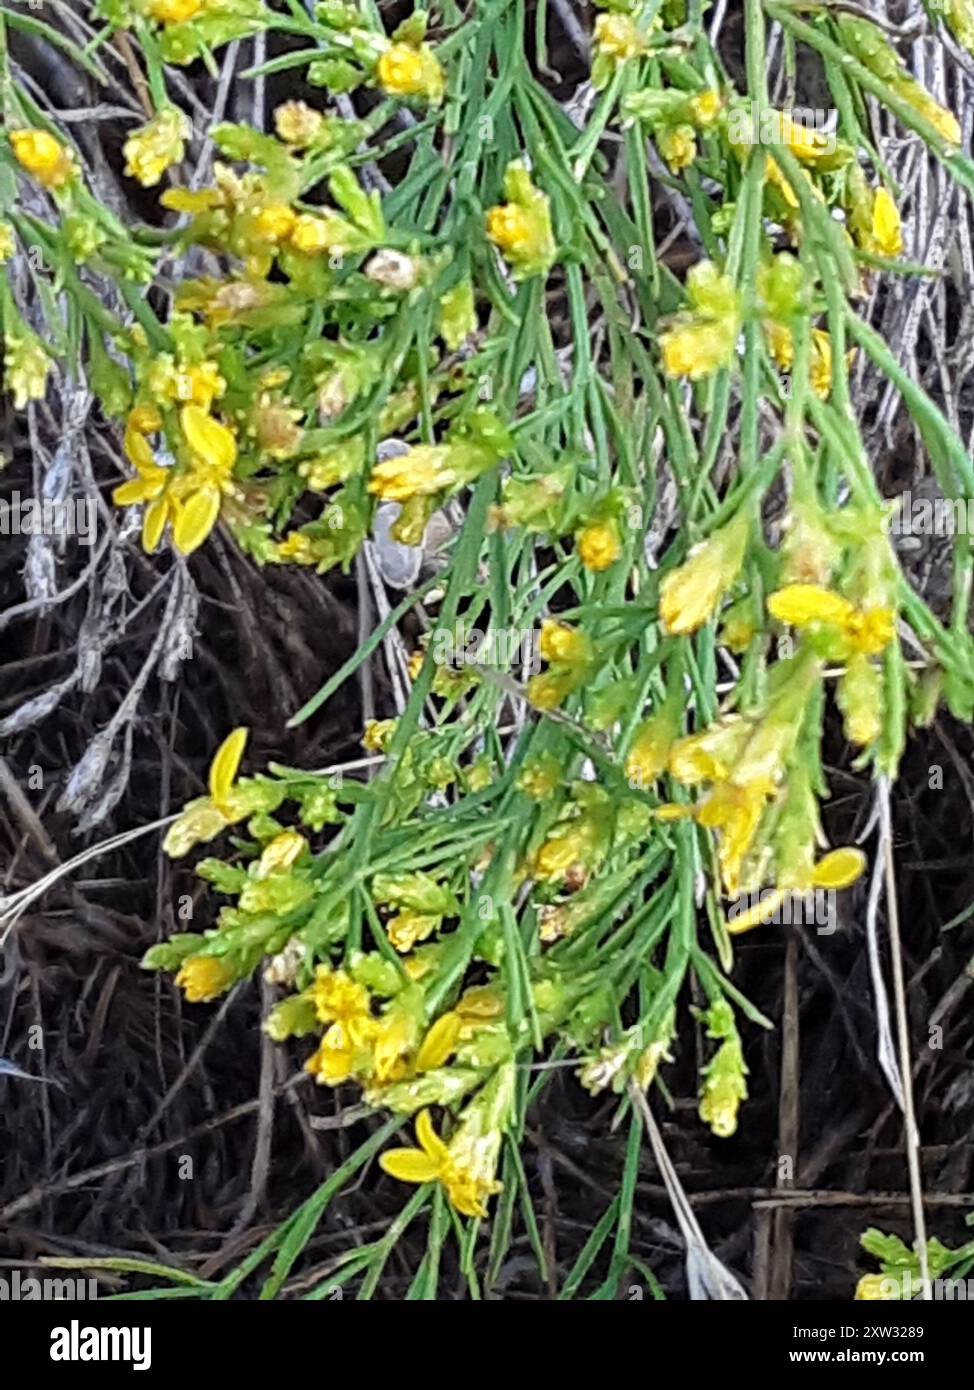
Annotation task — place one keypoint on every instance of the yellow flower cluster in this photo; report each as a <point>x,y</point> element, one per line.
<point>569,655</point>
<point>465,1167</point>
<point>703,338</point>
<point>521,227</point>
<point>156,147</point>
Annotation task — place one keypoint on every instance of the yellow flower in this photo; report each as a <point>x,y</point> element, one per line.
<point>705,107</point>
<point>407,71</point>
<point>149,487</point>
<point>887,234</point>
<point>192,500</point>
<point>568,847</point>
<point>509,228</point>
<point>616,36</point>
<point>521,227</point>
<point>694,350</point>
<point>338,998</point>
<point>735,809</point>
<point>420,472</point>
<point>297,123</point>
<point>866,630</point>
<point>690,595</point>
<point>561,643</point>
<point>837,870</point>
<point>703,337</point>
<point>173,11</point>
<point>199,384</point>
<point>275,222</point>
<point>546,691</point>
<point>202,978</point>
<point>345,1048</point>
<point>598,546</point>
<point>280,853</point>
<point>781,344</point>
<point>875,1287</point>
<point>313,235</point>
<point>805,143</point>
<point>466,1177</point>
<point>678,147</point>
<point>50,163</point>
<point>342,1053</point>
<point>650,749</point>
<point>409,927</point>
<point>156,147</point>
<point>204,818</point>
<point>296,549</point>
<point>378,735</point>
<point>799,605</point>
<point>711,755</point>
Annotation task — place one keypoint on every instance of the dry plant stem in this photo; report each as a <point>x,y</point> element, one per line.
<point>903,1040</point>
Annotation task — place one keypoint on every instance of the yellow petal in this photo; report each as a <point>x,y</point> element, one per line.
<point>226,764</point>
<point>211,442</point>
<point>430,1142</point>
<point>757,916</point>
<point>195,519</point>
<point>154,523</point>
<point>138,450</point>
<point>838,869</point>
<point>886,225</point>
<point>408,1165</point>
<point>801,604</point>
<point>128,494</point>
<point>439,1042</point>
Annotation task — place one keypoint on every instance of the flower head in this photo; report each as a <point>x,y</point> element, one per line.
<point>405,70</point>
<point>37,151</point>
<point>677,146</point>
<point>204,818</point>
<point>297,123</point>
<point>689,595</point>
<point>156,147</point>
<point>703,338</point>
<point>650,748</point>
<point>420,472</point>
<point>617,37</point>
<point>202,978</point>
<point>521,227</point>
<point>867,630</point>
<point>466,1166</point>
<point>598,545</point>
